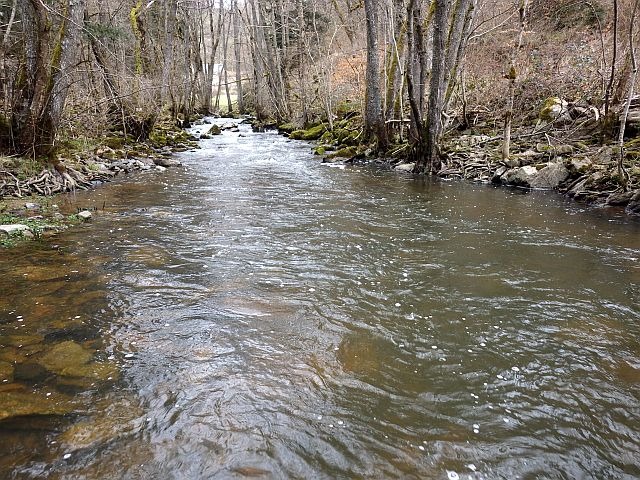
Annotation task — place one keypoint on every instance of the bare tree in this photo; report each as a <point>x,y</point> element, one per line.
<point>622,173</point>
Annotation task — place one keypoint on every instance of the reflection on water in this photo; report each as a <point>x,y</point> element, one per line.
<point>258,315</point>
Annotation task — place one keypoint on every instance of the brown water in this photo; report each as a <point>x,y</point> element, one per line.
<point>259,315</point>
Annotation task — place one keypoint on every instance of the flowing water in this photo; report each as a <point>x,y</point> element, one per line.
<point>260,315</point>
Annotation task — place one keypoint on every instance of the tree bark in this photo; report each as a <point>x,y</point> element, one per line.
<point>633,76</point>
<point>373,122</point>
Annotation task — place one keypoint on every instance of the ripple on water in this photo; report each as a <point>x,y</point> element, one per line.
<point>296,321</point>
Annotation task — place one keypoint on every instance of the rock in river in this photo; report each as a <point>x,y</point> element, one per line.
<point>167,162</point>
<point>6,372</point>
<point>70,359</point>
<point>23,402</point>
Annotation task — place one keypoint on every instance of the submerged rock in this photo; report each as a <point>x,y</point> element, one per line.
<point>65,356</point>
<point>20,340</point>
<point>70,359</point>
<point>6,372</point>
<point>121,418</point>
<point>31,372</point>
<point>21,403</point>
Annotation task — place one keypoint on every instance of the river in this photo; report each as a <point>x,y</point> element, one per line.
<point>259,315</point>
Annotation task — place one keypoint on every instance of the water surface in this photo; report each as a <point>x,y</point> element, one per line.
<point>258,314</point>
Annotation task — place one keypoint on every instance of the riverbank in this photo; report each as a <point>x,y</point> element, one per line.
<point>565,159</point>
<point>28,188</point>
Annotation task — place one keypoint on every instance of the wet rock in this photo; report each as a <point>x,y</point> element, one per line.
<point>619,199</point>
<point>228,126</point>
<point>14,229</point>
<point>634,204</point>
<point>550,177</point>
<point>520,176</point>
<point>496,178</point>
<point>70,359</point>
<point>122,417</point>
<point>22,403</point>
<point>85,215</point>
<point>167,162</point>
<point>405,167</point>
<point>6,372</point>
<point>214,130</point>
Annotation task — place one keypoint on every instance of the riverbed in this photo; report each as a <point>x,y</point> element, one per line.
<point>259,314</point>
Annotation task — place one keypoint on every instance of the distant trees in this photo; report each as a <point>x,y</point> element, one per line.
<point>96,65</point>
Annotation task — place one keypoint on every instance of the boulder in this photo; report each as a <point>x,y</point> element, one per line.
<point>23,402</point>
<point>85,215</point>
<point>405,167</point>
<point>167,162</point>
<point>555,110</point>
<point>550,177</point>
<point>496,178</point>
<point>579,165</point>
<point>520,177</point>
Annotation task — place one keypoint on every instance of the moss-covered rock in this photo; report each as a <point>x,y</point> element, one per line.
<point>552,108</point>
<point>347,152</point>
<point>288,128</point>
<point>313,133</point>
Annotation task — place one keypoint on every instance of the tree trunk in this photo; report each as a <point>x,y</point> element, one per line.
<point>437,86</point>
<point>237,54</point>
<point>373,123</point>
<point>622,173</point>
<point>512,76</point>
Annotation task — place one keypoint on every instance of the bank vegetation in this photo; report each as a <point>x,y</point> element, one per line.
<point>535,93</point>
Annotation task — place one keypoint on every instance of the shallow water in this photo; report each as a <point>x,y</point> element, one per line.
<point>258,314</point>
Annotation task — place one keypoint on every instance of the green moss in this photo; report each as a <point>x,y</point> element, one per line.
<point>319,150</point>
<point>347,152</point>
<point>548,108</point>
<point>287,127</point>
<point>313,133</point>
<point>327,137</point>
